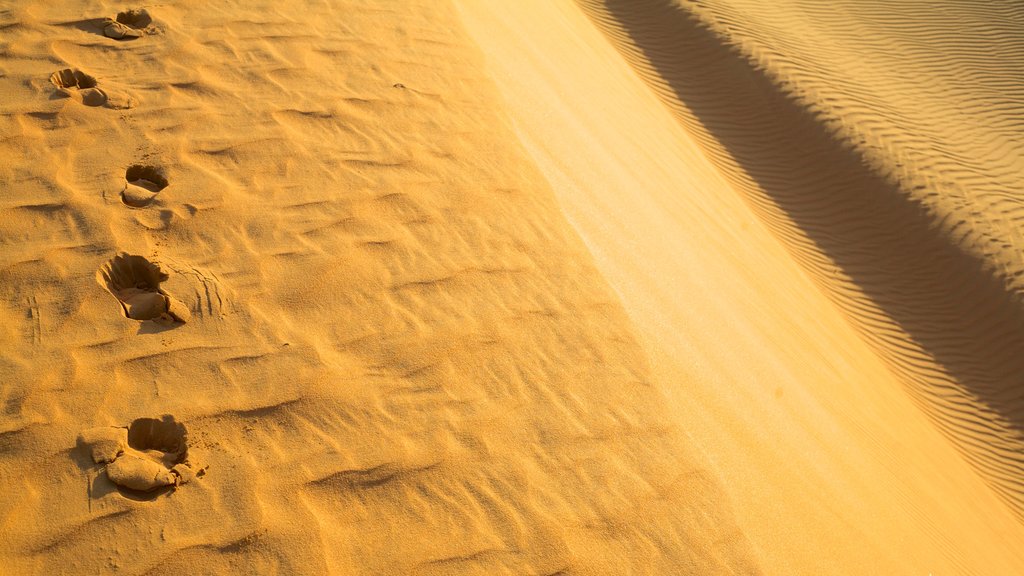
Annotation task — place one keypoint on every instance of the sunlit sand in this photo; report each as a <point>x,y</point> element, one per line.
<point>599,287</point>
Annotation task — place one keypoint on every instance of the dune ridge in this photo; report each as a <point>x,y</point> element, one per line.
<point>910,226</point>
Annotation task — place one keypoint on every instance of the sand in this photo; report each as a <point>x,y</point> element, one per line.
<point>607,287</point>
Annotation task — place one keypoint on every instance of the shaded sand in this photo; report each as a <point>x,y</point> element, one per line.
<point>525,288</point>
<point>878,436</point>
<point>400,358</point>
<point>893,186</point>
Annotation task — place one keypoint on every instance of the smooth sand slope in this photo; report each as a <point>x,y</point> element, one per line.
<point>531,287</point>
<point>886,157</point>
<point>398,357</point>
<point>831,424</point>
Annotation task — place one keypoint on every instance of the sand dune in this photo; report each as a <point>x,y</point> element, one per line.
<point>646,287</point>
<point>768,374</point>
<point>910,231</point>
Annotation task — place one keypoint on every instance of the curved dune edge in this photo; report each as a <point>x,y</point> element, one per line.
<point>929,272</point>
<point>400,358</point>
<point>832,466</point>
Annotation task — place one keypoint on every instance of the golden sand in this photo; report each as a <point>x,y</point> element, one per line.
<point>426,287</point>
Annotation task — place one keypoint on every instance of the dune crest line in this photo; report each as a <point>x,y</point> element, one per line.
<point>399,358</point>
<point>930,283</point>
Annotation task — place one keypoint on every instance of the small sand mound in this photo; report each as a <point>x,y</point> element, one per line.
<point>135,282</point>
<point>138,473</point>
<point>118,31</point>
<point>104,444</point>
<point>142,184</point>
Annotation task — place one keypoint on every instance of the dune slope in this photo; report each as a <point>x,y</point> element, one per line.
<point>887,162</point>
<point>833,465</point>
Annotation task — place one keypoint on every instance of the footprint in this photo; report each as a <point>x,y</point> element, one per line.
<point>76,84</point>
<point>144,459</point>
<point>135,282</point>
<point>142,184</point>
<point>128,25</point>
<point>82,87</point>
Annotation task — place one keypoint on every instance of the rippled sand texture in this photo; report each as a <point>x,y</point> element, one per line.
<point>882,144</point>
<point>816,418</point>
<point>550,288</point>
<point>399,359</point>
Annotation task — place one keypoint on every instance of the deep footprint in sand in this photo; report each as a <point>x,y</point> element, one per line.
<point>142,184</point>
<point>128,25</point>
<point>143,458</point>
<point>76,84</point>
<point>135,282</point>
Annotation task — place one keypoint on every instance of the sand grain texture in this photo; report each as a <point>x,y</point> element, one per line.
<point>607,287</point>
<point>887,189</point>
<point>836,350</point>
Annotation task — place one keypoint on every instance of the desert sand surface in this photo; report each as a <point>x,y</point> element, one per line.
<point>542,288</point>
